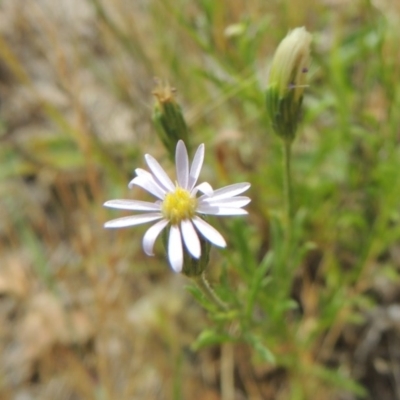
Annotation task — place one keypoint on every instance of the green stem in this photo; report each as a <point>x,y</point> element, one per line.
<point>208,291</point>
<point>287,189</point>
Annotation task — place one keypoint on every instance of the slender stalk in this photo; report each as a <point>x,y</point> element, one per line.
<point>287,188</point>
<point>227,371</point>
<point>208,291</point>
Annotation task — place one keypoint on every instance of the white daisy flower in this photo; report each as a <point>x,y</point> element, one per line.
<point>178,206</point>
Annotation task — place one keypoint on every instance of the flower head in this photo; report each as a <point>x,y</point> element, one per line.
<point>179,207</point>
<point>287,79</point>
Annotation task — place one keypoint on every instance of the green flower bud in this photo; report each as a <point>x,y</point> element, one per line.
<point>168,118</point>
<point>287,80</point>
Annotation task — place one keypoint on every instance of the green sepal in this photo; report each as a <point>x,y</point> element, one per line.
<point>284,112</point>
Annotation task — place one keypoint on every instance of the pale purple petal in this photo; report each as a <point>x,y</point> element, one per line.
<point>148,175</point>
<point>151,235</point>
<point>135,205</point>
<point>229,191</point>
<point>238,201</point>
<point>205,188</point>
<point>191,238</point>
<point>182,165</point>
<point>175,250</point>
<point>214,210</point>
<point>143,172</point>
<point>150,185</point>
<point>159,174</point>
<point>196,166</point>
<point>133,220</point>
<point>210,233</point>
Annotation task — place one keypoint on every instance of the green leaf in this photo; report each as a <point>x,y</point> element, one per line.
<point>209,337</point>
<point>263,351</point>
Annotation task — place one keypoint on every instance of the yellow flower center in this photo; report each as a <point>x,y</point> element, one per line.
<point>178,206</point>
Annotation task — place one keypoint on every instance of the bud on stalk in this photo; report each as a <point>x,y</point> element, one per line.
<point>287,80</point>
<point>168,118</point>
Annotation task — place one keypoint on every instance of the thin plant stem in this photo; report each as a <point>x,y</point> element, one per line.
<point>287,189</point>
<point>208,291</point>
<point>227,371</point>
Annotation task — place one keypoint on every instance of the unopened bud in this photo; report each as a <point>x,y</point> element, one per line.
<point>287,80</point>
<point>168,118</point>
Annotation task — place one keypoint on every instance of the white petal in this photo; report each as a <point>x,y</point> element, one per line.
<point>238,201</point>
<point>182,164</point>
<point>143,172</point>
<point>175,250</point>
<point>210,233</point>
<point>196,166</point>
<point>148,184</point>
<point>230,191</point>
<point>151,235</point>
<point>135,205</point>
<point>205,188</point>
<point>214,210</point>
<point>152,178</point>
<point>191,238</point>
<point>159,174</point>
<point>132,220</point>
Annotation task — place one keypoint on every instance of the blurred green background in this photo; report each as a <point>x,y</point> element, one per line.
<point>84,313</point>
